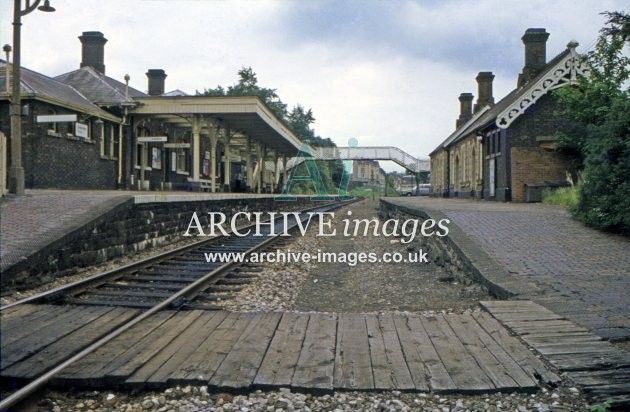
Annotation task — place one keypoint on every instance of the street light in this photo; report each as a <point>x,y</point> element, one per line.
<point>16,171</point>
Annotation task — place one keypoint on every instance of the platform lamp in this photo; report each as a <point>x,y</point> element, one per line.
<point>7,51</point>
<point>16,171</point>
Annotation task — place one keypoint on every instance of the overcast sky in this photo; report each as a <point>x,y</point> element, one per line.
<point>384,72</point>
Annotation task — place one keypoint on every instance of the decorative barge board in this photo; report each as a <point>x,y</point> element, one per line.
<point>307,351</point>
<point>598,367</point>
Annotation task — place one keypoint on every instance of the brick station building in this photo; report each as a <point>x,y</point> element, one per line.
<point>59,154</point>
<point>121,137</point>
<point>505,151</point>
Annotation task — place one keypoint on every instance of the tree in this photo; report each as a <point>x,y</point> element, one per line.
<point>248,86</point>
<point>300,120</point>
<point>600,135</point>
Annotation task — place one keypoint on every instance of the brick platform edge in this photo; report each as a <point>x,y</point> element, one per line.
<point>476,262</point>
<point>124,227</point>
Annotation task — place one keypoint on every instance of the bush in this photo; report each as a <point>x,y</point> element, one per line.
<point>600,107</point>
<point>565,196</point>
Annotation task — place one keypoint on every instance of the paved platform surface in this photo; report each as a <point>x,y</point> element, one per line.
<point>238,351</point>
<point>577,272</point>
<point>29,223</point>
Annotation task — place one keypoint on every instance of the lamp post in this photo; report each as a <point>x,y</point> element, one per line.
<point>16,171</point>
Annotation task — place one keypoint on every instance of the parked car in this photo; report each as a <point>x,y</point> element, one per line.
<point>423,189</point>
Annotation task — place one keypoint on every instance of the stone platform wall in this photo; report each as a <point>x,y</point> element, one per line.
<point>127,229</point>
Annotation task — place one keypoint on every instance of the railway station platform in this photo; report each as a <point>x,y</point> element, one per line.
<point>41,223</point>
<point>538,252</point>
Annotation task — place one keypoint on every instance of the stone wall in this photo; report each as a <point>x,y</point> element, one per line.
<point>127,229</point>
<point>465,167</point>
<point>439,173</point>
<point>441,250</point>
<point>456,253</point>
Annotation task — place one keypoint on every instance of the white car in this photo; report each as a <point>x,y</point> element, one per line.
<point>423,189</point>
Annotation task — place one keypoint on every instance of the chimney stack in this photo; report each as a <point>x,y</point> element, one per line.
<point>465,108</point>
<point>535,41</point>
<point>93,50</point>
<point>484,91</point>
<point>156,81</point>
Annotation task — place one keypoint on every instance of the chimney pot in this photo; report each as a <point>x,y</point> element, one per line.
<point>93,50</point>
<point>465,108</point>
<point>484,95</point>
<point>156,81</point>
<point>535,41</point>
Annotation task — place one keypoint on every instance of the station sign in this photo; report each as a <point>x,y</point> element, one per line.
<point>56,118</point>
<point>81,130</point>
<point>177,145</point>
<point>152,139</point>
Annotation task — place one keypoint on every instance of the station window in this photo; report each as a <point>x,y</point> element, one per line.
<point>182,160</point>
<point>101,134</point>
<point>52,127</point>
<point>113,141</point>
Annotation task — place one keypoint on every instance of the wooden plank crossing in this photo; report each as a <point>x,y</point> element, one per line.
<point>307,351</point>
<point>598,367</point>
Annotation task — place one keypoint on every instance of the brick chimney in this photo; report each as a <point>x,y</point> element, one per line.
<point>156,81</point>
<point>93,50</point>
<point>465,108</point>
<point>484,91</point>
<point>535,41</point>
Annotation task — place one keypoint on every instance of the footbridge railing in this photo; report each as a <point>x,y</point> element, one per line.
<point>394,154</point>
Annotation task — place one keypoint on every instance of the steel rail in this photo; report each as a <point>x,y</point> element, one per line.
<point>184,293</point>
<point>103,277</point>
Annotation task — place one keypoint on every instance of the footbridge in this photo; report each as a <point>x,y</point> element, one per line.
<point>396,155</point>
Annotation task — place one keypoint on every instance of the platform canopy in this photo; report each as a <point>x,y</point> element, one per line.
<point>248,116</point>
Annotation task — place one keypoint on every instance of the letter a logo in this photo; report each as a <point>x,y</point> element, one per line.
<point>304,156</point>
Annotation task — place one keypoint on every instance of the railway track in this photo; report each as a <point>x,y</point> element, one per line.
<point>177,279</point>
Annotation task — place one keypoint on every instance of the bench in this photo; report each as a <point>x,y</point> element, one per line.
<point>202,185</point>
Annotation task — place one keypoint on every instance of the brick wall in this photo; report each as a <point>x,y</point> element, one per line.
<point>62,163</point>
<point>536,165</point>
<point>530,162</point>
<point>538,121</point>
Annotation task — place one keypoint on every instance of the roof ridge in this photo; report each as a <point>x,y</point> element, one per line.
<point>495,110</point>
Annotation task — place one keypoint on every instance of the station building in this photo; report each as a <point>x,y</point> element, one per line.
<point>505,151</point>
<point>129,139</point>
<point>367,172</point>
<point>60,154</point>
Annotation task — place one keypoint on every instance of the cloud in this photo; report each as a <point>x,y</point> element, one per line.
<point>385,72</point>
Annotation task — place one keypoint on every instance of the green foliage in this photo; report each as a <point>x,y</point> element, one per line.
<point>599,106</point>
<point>248,86</point>
<point>566,196</point>
<point>601,407</point>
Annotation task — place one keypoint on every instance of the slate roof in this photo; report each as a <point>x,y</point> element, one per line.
<point>100,89</point>
<point>38,86</point>
<point>481,120</point>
